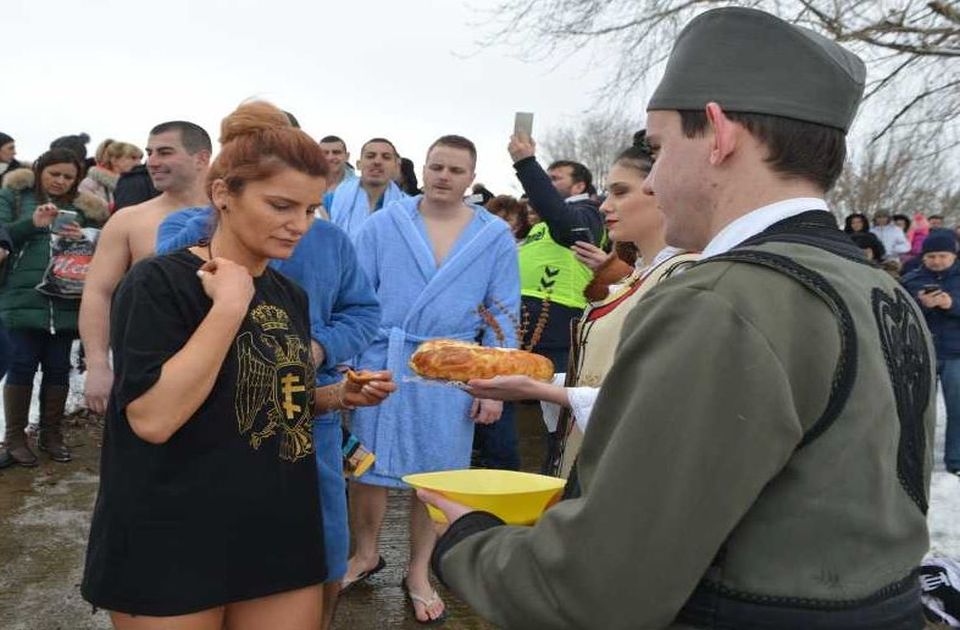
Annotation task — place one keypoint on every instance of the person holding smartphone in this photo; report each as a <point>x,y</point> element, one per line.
<point>631,216</point>
<point>552,278</point>
<point>936,287</point>
<point>34,206</point>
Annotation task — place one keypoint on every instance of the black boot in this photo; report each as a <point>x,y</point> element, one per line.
<point>16,409</point>
<point>53,401</point>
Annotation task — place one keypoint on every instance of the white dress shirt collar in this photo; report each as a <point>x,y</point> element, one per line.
<point>758,220</point>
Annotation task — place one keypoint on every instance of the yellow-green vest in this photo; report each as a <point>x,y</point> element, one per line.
<point>549,270</point>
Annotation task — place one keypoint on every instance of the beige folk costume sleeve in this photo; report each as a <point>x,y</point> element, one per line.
<point>696,416</point>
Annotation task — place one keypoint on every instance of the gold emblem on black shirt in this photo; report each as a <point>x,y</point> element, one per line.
<point>273,379</point>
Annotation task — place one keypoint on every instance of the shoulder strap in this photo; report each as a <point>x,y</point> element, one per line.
<point>681,262</point>
<point>846,371</point>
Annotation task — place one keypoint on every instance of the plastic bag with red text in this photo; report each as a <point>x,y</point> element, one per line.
<point>67,269</point>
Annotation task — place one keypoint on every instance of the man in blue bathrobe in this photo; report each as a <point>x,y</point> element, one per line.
<point>432,260</point>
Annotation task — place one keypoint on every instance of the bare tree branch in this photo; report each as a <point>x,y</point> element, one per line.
<point>910,46</point>
<point>906,108</point>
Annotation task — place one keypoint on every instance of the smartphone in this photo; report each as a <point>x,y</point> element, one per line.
<point>523,124</point>
<point>64,217</point>
<point>582,234</point>
<point>930,288</point>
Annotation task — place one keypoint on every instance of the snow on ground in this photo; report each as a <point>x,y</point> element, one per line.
<point>943,517</point>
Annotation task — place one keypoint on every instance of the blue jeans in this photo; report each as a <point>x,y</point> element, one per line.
<point>949,372</point>
<point>5,351</point>
<point>30,349</point>
<point>497,443</point>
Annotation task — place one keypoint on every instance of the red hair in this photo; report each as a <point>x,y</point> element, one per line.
<point>256,142</point>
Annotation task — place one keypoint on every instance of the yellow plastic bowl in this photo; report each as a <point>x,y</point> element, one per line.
<point>517,498</point>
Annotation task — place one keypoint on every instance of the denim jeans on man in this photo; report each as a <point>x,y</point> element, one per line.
<point>496,443</point>
<point>948,370</point>
<point>5,352</point>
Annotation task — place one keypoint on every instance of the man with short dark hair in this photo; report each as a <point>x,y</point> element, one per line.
<point>338,159</point>
<point>432,260</point>
<point>354,200</point>
<point>549,270</point>
<point>759,454</point>
<point>178,155</point>
<point>936,287</point>
<point>935,221</point>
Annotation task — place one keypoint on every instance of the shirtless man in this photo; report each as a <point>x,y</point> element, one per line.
<point>178,155</point>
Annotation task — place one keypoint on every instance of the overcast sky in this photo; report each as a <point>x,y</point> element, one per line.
<point>410,71</point>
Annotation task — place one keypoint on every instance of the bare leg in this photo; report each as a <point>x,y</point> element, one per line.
<point>330,592</point>
<point>301,609</point>
<point>422,539</point>
<point>368,506</point>
<point>211,619</point>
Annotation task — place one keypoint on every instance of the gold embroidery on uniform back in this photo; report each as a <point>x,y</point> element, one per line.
<point>274,385</point>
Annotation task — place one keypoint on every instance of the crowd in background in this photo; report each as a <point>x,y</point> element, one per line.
<point>564,263</point>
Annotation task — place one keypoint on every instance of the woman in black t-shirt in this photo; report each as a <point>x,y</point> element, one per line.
<point>207,515</point>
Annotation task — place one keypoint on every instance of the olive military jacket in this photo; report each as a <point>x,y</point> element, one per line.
<point>763,439</point>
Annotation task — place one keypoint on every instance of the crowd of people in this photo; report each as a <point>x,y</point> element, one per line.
<point>719,343</point>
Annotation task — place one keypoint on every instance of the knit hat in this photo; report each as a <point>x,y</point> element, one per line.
<point>5,139</point>
<point>77,144</point>
<point>940,241</point>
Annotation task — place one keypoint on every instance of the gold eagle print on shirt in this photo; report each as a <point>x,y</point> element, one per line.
<point>274,385</point>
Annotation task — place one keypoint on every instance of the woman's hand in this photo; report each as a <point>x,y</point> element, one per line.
<point>486,411</point>
<point>45,215</point>
<point>71,232</point>
<point>227,283</point>
<point>503,388</point>
<point>589,254</point>
<point>368,394</point>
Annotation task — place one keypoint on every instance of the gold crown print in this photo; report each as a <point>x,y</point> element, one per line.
<point>270,317</point>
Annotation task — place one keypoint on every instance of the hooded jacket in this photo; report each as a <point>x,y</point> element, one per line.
<point>944,324</point>
<point>21,305</point>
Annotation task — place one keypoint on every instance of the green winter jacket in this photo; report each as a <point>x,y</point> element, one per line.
<point>21,305</point>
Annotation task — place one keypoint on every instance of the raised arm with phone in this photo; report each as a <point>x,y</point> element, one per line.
<point>560,195</point>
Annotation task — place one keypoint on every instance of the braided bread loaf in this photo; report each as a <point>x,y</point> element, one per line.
<point>460,361</point>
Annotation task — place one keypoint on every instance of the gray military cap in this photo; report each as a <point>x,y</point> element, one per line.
<point>753,62</point>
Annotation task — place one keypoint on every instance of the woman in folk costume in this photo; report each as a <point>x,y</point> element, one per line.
<point>631,214</point>
<point>208,515</point>
<point>432,260</point>
<point>113,160</point>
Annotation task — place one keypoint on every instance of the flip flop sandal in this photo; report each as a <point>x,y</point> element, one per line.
<point>363,576</point>
<point>425,602</point>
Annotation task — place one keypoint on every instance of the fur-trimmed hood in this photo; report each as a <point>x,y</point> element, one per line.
<point>18,179</point>
<point>94,207</point>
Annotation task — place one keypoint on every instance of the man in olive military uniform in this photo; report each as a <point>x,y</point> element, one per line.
<point>759,456</point>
